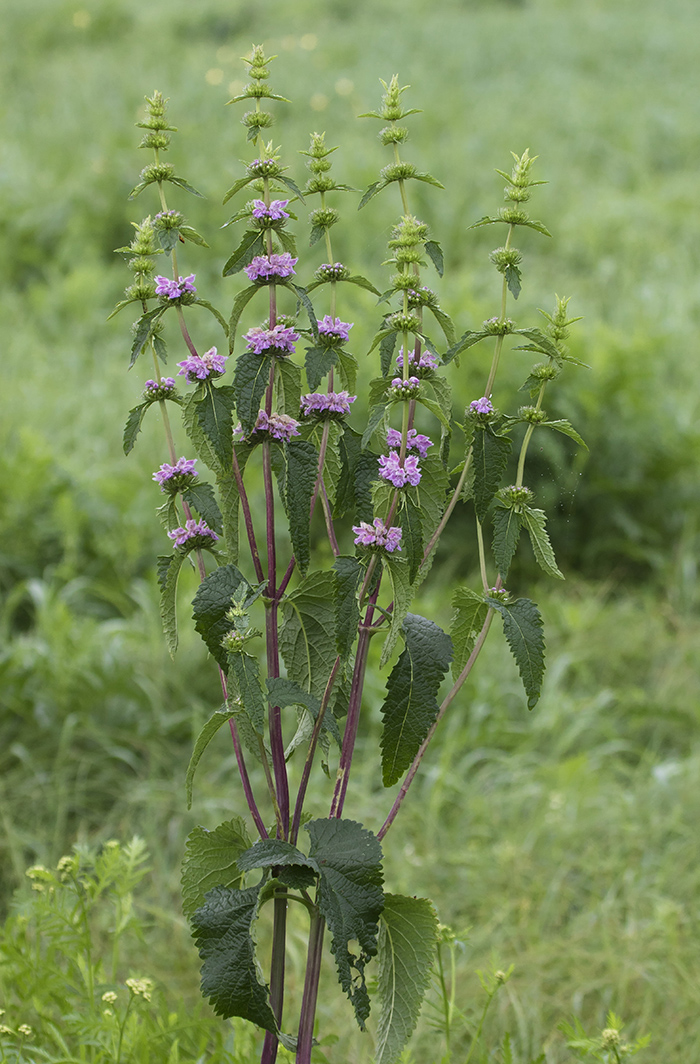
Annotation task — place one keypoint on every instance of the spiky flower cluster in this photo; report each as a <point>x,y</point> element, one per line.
<point>377,536</point>
<point>277,341</point>
<point>265,267</point>
<point>274,213</point>
<point>414,441</point>
<point>404,389</point>
<point>333,331</point>
<point>168,288</point>
<point>194,534</point>
<point>153,390</point>
<point>332,272</point>
<point>201,367</point>
<point>173,478</point>
<point>397,473</point>
<point>275,426</point>
<point>422,366</point>
<point>326,404</point>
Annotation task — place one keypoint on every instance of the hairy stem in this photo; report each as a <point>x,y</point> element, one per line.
<point>311,981</point>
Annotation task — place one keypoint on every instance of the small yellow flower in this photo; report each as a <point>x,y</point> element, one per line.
<point>25,1029</point>
<point>109,997</point>
<point>37,871</point>
<point>141,988</point>
<point>4,1029</point>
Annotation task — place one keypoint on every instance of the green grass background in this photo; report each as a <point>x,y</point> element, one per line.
<point>565,840</point>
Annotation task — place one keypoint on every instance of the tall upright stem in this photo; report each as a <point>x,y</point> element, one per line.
<point>313,972</point>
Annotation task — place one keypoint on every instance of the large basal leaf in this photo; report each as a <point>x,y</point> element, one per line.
<point>350,898</point>
<point>307,638</point>
<point>411,704</point>
<point>214,413</point>
<point>347,611</point>
<point>467,622</point>
<point>407,939</point>
<point>210,861</point>
<point>301,873</point>
<point>522,627</point>
<point>251,378</point>
<point>535,522</point>
<point>168,569</point>
<point>489,458</point>
<point>506,533</point>
<point>301,461</point>
<point>210,605</point>
<point>202,742</point>
<point>230,972</point>
<point>402,593</point>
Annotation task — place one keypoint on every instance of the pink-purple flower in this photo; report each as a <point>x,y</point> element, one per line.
<point>171,289</point>
<point>193,530</point>
<point>426,360</point>
<point>265,266</point>
<point>176,476</point>
<point>274,212</point>
<point>405,389</point>
<point>200,367</point>
<point>163,390</point>
<point>391,469</point>
<point>415,441</point>
<point>481,406</point>
<point>334,330</point>
<point>326,403</point>
<point>276,426</point>
<point>277,341</point>
<point>377,535</point>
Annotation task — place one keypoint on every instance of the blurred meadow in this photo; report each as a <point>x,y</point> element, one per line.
<point>562,841</point>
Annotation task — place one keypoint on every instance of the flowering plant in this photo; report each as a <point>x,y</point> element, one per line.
<point>383,512</point>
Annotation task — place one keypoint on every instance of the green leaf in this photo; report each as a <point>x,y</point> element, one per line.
<point>276,853</point>
<point>230,979</point>
<point>202,742</point>
<point>443,394</point>
<point>361,282</point>
<point>191,234</point>
<point>307,639</point>
<point>287,241</point>
<point>541,341</point>
<point>350,898</point>
<point>431,493</point>
<point>464,343</point>
<point>291,185</point>
<point>506,533</point>
<point>412,536</point>
<point>402,593</point>
<point>212,602</point>
<point>318,361</point>
<point>407,941</point>
<point>445,322</point>
<point>513,278</point>
<point>200,496</point>
<point>411,704</point>
<point>288,383</point>
<point>522,627</point>
<point>332,465</point>
<point>434,253</point>
<point>210,861</point>
<point>436,410</point>
<point>376,419</point>
<point>168,515</point>
<point>133,426</point>
<point>215,416</point>
<point>489,458</point>
<point>246,670</point>
<point>252,244</point>
<point>239,305</point>
<point>358,471</point>
<point>212,310</point>
<point>467,622</point>
<point>230,499</point>
<point>316,234</point>
<point>200,441</point>
<point>347,364</point>
<point>386,351</point>
<point>142,331</point>
<point>371,191</point>
<point>251,378</point>
<point>535,521</point>
<point>284,693</point>
<point>347,611</point>
<point>301,466</point>
<point>181,183</point>
<point>241,183</point>
<point>168,568</point>
<point>562,425</point>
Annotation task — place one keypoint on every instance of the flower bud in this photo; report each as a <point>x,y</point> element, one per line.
<point>502,258</point>
<point>393,135</point>
<point>532,415</point>
<point>499,326</point>
<point>323,218</point>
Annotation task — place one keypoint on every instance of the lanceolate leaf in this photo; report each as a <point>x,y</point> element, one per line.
<point>376,419</point>
<point>350,898</point>
<point>288,381</point>
<point>214,413</point>
<point>133,426</point>
<point>411,704</point>
<point>142,330</point>
<point>307,639</point>
<point>513,278</point>
<point>407,939</point>
<point>411,536</point>
<point>522,626</point>
<point>251,378</point>
<point>386,351</point>
<point>541,341</point>
<point>347,611</point>
<point>168,572</point>
<point>212,602</point>
<point>358,471</point>
<point>251,244</point>
<point>201,498</point>
<point>210,861</point>
<point>239,304</point>
<point>466,341</point>
<point>562,425</point>
<point>200,441</point>
<point>535,522</point>
<point>347,365</point>
<point>467,622</point>
<point>246,670</point>
<point>506,533</point>
<point>230,979</point>
<point>318,362</point>
<point>202,742</point>
<point>489,458</point>
<point>301,461</point>
<point>434,253</point>
<point>402,593</point>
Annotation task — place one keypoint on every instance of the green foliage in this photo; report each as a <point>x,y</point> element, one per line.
<point>490,452</point>
<point>522,627</point>
<point>347,611</point>
<point>406,948</point>
<point>214,414</point>
<point>168,568</point>
<point>211,861</point>
<point>211,604</point>
<point>411,705</point>
<point>251,378</point>
<point>351,899</point>
<point>307,639</point>
<point>468,620</point>
<point>301,470</point>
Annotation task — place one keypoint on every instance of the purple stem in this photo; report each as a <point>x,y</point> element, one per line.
<point>318,723</point>
<point>313,973</point>
<point>247,517</point>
